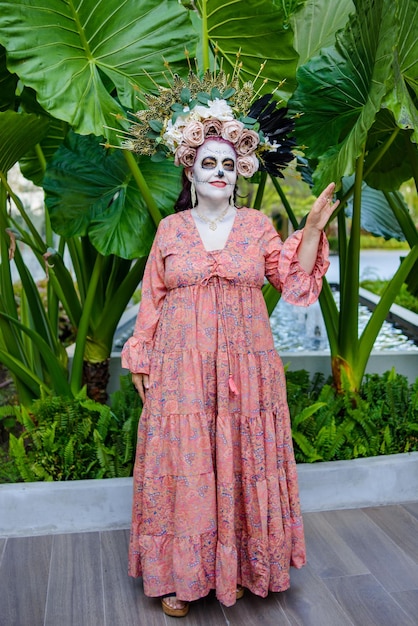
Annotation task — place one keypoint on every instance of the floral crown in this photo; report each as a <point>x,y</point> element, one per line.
<point>182,116</point>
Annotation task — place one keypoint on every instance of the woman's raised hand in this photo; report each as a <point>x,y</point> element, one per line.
<point>316,221</point>
<point>322,209</point>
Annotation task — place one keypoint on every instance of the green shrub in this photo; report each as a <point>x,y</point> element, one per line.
<point>8,424</point>
<point>370,242</point>
<point>404,297</point>
<point>77,438</point>
<point>381,419</point>
<point>69,439</point>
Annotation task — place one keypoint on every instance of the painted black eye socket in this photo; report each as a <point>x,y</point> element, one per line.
<point>228,165</point>
<point>209,163</point>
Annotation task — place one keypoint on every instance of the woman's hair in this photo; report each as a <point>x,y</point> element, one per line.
<point>184,201</point>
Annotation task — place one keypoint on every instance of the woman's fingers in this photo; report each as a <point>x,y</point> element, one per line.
<point>323,207</point>
<point>141,384</point>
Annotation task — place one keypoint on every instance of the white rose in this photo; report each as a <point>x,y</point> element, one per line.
<point>215,108</point>
<point>173,135</point>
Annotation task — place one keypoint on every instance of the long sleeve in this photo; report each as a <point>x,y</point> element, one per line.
<point>284,271</point>
<point>136,351</point>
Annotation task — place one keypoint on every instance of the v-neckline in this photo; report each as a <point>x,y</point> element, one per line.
<point>200,237</point>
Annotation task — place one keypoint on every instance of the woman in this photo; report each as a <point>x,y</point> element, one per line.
<point>216,502</point>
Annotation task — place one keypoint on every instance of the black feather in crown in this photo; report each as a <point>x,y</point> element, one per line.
<point>277,130</point>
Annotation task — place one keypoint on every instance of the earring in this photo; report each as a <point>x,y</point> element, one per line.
<point>193,194</point>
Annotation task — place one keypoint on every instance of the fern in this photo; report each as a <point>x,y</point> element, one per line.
<point>305,452</point>
<point>8,417</point>
<point>41,472</point>
<point>307,413</point>
<point>69,456</point>
<point>105,456</point>
<point>103,423</point>
<point>75,438</point>
<point>18,452</point>
<point>381,419</point>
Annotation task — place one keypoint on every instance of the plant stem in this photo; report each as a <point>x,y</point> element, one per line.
<point>143,187</point>
<point>82,332</point>
<point>260,190</point>
<point>348,329</point>
<point>205,37</point>
<point>19,205</point>
<point>286,204</point>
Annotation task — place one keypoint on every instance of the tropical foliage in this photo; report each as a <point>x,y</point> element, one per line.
<point>363,89</point>
<point>77,438</point>
<point>68,75</point>
<point>381,418</point>
<point>74,438</point>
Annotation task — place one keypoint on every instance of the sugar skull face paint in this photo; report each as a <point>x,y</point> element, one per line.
<point>214,172</point>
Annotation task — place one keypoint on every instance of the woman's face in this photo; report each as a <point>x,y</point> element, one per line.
<point>214,172</point>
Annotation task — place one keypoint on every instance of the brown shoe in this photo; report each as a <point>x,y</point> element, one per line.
<point>240,592</point>
<point>174,611</point>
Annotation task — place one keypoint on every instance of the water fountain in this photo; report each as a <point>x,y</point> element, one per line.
<point>298,329</point>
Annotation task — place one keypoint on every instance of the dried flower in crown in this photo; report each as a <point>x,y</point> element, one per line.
<point>179,118</point>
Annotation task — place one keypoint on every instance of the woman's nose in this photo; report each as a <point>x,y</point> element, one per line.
<point>221,173</point>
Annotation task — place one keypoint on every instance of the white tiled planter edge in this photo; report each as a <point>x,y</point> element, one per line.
<point>91,505</point>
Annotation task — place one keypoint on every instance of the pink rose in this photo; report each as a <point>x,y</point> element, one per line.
<point>212,127</point>
<point>194,134</point>
<point>247,143</point>
<point>247,165</point>
<point>231,131</point>
<point>185,155</point>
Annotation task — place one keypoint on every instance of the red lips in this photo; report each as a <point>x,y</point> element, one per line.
<point>218,183</point>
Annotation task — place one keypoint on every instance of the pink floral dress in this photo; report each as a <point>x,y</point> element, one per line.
<point>216,500</point>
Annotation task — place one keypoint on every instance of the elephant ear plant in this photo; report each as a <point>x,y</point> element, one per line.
<point>70,74</point>
<point>356,103</point>
<point>103,206</point>
<point>86,65</point>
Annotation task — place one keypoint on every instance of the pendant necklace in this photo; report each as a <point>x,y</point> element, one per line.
<point>213,224</point>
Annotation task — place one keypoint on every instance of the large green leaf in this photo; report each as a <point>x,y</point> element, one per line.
<point>376,214</point>
<point>73,54</point>
<point>8,84</point>
<point>316,23</point>
<point>257,29</point>
<point>90,190</point>
<point>341,90</point>
<point>390,170</point>
<point>19,132</point>
<point>33,163</point>
<point>32,155</point>
<point>403,98</point>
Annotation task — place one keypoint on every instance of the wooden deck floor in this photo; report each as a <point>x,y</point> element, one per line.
<point>362,570</point>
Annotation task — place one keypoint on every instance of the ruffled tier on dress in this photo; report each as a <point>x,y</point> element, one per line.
<point>216,491</point>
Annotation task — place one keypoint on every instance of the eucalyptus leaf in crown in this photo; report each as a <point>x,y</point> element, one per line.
<point>180,117</point>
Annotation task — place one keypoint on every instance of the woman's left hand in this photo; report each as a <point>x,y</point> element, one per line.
<point>322,209</point>
<point>318,217</point>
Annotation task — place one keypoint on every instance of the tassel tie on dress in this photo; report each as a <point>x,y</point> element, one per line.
<point>214,276</point>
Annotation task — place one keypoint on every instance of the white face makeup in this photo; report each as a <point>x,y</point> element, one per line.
<point>214,172</point>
